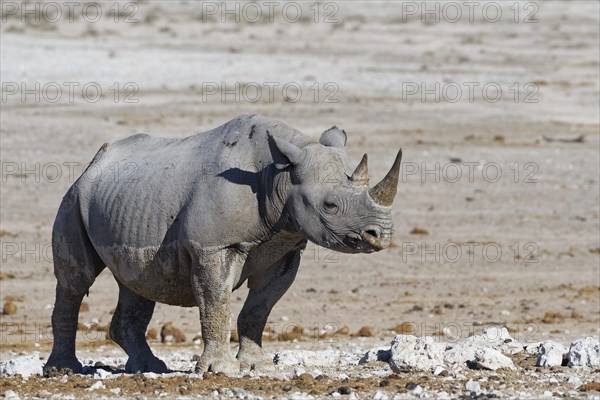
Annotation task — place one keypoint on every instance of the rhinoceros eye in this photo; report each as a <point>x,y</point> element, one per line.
<point>330,207</point>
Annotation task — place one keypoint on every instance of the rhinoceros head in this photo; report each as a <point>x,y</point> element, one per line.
<point>333,206</point>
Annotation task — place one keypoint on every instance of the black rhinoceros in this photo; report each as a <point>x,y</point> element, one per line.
<point>187,221</point>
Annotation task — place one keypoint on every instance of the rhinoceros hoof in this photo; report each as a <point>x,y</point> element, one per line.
<point>150,364</point>
<point>62,367</point>
<point>224,365</point>
<point>256,362</point>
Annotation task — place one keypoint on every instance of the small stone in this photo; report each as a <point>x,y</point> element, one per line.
<point>306,377</point>
<point>84,307</point>
<point>10,308</point>
<point>152,334</point>
<point>473,386</point>
<point>96,386</point>
<point>343,390</point>
<point>11,395</point>
<point>417,391</point>
<point>574,380</point>
<point>365,331</point>
<point>438,370</point>
<point>170,333</point>
<point>379,395</point>
<point>102,374</point>
<point>550,354</point>
<point>585,352</point>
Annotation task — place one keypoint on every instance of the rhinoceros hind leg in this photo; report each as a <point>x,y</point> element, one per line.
<point>64,329</point>
<point>76,266</point>
<point>128,330</point>
<point>265,291</point>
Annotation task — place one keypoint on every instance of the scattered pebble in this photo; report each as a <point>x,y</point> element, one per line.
<point>473,386</point>
<point>10,308</point>
<point>171,334</point>
<point>96,386</point>
<point>152,334</point>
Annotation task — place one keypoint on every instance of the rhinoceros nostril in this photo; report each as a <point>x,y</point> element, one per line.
<point>373,232</point>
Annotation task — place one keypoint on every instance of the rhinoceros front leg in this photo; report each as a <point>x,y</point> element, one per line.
<point>213,275</point>
<point>265,290</point>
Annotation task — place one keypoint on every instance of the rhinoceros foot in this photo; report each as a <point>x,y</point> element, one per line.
<point>148,364</point>
<point>62,366</point>
<point>224,363</point>
<point>255,359</point>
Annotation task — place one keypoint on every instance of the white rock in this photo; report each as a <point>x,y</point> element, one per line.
<point>574,380</point>
<point>585,352</point>
<point>97,385</point>
<point>11,395</point>
<point>499,338</point>
<point>438,370</point>
<point>418,390</point>
<point>102,374</point>
<point>376,354</point>
<point>496,335</point>
<point>492,359</point>
<point>25,366</point>
<point>533,348</point>
<point>550,354</point>
<point>460,353</point>
<point>409,353</point>
<point>443,395</point>
<point>379,395</point>
<point>116,391</point>
<point>324,358</point>
<point>473,386</point>
<point>299,371</point>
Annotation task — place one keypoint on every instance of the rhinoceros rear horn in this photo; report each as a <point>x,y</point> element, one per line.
<point>360,176</point>
<point>384,192</point>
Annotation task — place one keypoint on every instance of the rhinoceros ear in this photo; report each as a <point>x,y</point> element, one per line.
<point>292,152</point>
<point>333,137</point>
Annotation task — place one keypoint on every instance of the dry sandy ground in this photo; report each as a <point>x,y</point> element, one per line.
<point>521,249</point>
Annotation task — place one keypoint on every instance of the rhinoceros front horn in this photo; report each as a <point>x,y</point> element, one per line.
<point>360,176</point>
<point>384,192</point>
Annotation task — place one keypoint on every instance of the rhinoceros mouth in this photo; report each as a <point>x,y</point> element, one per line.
<point>372,240</point>
<point>364,242</point>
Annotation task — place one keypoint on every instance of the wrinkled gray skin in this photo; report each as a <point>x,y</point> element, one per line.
<point>187,221</point>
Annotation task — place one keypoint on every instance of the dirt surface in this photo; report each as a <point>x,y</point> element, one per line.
<point>513,240</point>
